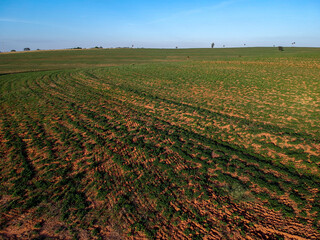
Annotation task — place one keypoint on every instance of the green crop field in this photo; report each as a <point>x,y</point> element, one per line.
<point>160,144</point>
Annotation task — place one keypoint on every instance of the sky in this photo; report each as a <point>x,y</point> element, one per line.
<point>59,24</point>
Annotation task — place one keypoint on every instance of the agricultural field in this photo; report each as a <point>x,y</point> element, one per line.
<point>160,144</point>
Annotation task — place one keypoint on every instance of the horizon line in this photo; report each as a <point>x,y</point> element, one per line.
<point>169,48</point>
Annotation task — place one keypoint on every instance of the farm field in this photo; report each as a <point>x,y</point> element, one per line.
<point>160,144</point>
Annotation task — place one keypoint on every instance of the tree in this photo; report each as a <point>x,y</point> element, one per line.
<point>280,48</point>
<point>212,45</point>
<point>26,49</point>
<point>13,50</point>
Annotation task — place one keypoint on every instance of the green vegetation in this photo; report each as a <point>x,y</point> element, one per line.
<point>144,140</point>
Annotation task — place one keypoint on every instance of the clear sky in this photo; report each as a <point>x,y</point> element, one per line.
<point>56,24</point>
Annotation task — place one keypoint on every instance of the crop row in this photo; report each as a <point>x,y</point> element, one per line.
<point>77,135</point>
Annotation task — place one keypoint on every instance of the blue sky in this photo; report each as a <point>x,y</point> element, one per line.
<point>56,24</point>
